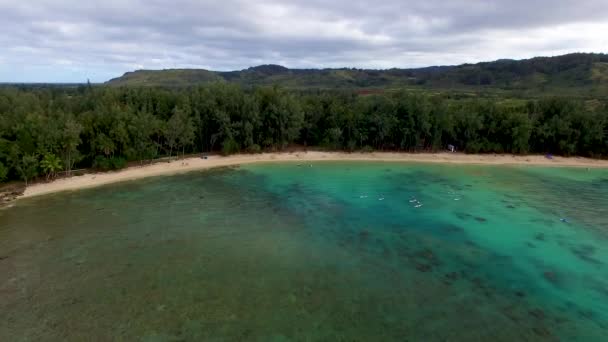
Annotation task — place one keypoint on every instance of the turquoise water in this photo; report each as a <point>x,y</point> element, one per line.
<point>328,251</point>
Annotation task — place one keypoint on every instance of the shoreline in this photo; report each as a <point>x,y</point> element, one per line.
<point>196,163</point>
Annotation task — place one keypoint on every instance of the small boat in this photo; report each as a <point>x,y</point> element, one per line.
<point>381,199</point>
<point>418,205</point>
<point>413,200</point>
<point>456,199</point>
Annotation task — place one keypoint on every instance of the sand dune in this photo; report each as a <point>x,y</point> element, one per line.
<point>192,164</point>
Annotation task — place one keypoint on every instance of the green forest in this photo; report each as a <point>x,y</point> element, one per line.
<point>46,130</point>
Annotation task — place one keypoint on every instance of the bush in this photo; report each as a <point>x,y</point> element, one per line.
<point>102,163</point>
<point>3,172</point>
<point>118,163</point>
<point>351,145</point>
<point>473,147</point>
<point>112,163</point>
<point>230,146</point>
<point>255,148</point>
<point>367,149</point>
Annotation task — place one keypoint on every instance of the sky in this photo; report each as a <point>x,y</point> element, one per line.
<point>76,40</point>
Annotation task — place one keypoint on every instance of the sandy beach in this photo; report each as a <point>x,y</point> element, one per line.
<point>193,164</point>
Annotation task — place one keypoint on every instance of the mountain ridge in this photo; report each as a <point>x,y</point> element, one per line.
<point>581,72</point>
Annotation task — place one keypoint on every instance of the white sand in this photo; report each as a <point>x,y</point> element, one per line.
<point>192,164</point>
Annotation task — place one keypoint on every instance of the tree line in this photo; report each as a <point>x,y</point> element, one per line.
<point>47,130</point>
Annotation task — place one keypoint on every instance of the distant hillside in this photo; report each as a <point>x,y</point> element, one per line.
<point>572,73</point>
<point>168,78</point>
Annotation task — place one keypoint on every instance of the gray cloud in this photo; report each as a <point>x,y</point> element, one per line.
<point>66,40</point>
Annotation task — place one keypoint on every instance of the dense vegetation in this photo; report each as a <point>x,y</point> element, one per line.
<point>46,130</point>
<point>573,74</point>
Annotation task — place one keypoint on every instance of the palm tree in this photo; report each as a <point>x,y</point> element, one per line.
<point>105,144</point>
<point>51,164</point>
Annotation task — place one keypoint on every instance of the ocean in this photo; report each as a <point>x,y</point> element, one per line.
<point>322,251</point>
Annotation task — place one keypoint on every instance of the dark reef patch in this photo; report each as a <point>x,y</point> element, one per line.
<point>585,253</point>
<point>450,277</point>
<point>552,277</point>
<point>463,216</point>
<point>363,235</point>
<point>537,313</point>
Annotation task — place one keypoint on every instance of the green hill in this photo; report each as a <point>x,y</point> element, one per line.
<point>166,78</point>
<point>577,73</point>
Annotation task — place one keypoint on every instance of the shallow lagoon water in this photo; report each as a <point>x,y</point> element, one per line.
<point>328,251</point>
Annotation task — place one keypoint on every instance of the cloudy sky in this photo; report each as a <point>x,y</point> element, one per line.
<point>72,40</point>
